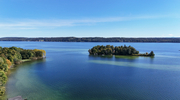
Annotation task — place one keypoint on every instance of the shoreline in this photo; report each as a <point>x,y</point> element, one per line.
<point>96,39</point>
<point>29,60</point>
<point>12,56</point>
<point>2,97</point>
<point>141,55</point>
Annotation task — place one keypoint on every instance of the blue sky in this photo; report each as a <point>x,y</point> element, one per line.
<point>90,18</point>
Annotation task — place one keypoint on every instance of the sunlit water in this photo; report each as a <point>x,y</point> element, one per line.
<point>69,73</point>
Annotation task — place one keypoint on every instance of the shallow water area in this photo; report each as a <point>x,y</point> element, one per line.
<point>69,73</point>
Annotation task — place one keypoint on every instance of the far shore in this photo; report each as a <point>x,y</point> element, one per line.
<point>96,39</point>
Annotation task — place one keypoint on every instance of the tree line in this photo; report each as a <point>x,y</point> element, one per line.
<point>117,50</point>
<point>93,39</point>
<point>10,56</point>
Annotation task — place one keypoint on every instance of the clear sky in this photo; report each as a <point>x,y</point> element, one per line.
<point>90,18</point>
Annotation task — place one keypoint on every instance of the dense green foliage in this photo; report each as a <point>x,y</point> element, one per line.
<point>3,77</point>
<point>111,50</point>
<point>117,50</point>
<point>93,39</point>
<point>151,53</point>
<point>14,55</point>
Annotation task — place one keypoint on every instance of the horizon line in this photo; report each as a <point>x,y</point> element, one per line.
<point>92,37</point>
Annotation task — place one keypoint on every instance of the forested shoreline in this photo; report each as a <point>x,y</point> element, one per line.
<point>93,39</point>
<point>10,56</point>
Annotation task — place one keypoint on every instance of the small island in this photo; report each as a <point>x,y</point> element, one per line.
<point>10,56</point>
<point>117,50</point>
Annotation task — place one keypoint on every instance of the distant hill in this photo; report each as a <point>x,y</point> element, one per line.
<point>92,39</point>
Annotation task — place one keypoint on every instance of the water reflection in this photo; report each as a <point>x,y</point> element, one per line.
<point>126,57</point>
<point>138,65</point>
<point>103,56</point>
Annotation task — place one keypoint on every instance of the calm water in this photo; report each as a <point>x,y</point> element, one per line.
<point>69,73</point>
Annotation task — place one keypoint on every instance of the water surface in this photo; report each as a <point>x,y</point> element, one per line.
<point>69,73</point>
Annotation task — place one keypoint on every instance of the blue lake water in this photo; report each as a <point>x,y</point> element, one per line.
<point>69,73</point>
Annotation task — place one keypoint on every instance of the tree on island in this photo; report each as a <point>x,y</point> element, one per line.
<point>151,53</point>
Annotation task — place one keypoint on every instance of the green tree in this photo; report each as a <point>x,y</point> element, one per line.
<point>151,53</point>
<point>39,54</point>
<point>3,78</point>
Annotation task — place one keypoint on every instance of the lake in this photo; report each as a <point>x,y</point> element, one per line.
<point>69,73</point>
